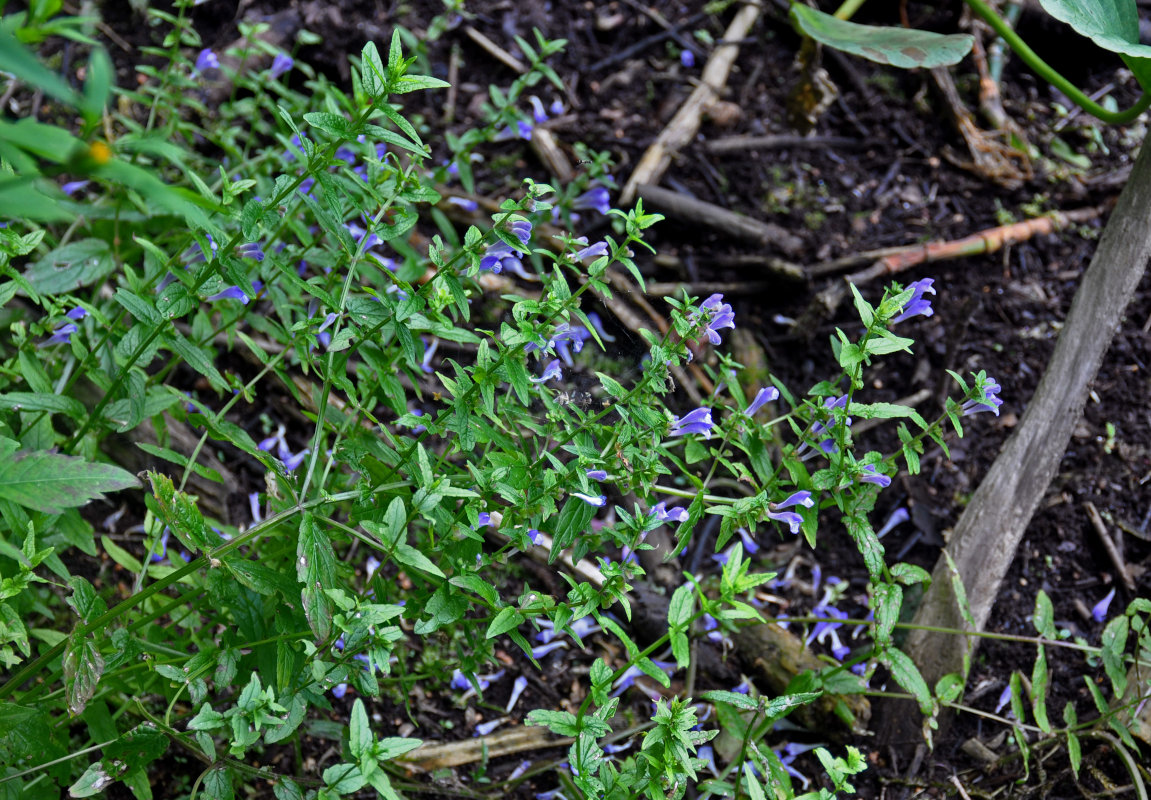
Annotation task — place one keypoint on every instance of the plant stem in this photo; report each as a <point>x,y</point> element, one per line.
<point>1045,71</point>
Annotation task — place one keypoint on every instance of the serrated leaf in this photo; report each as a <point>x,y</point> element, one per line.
<point>888,603</point>
<point>899,47</point>
<point>561,723</point>
<point>360,736</point>
<point>72,267</point>
<point>372,69</point>
<point>83,666</point>
<point>573,520</point>
<point>681,605</point>
<point>1039,684</point>
<point>411,557</point>
<point>196,358</point>
<point>1044,617</point>
<point>329,123</point>
<point>316,569</point>
<point>907,675</point>
<point>504,621</point>
<point>1114,642</point>
<point>732,699</point>
<point>53,482</point>
<point>94,780</point>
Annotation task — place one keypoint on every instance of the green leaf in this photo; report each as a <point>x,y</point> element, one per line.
<point>907,675</point>
<point>779,707</point>
<point>561,723</point>
<point>197,358</point>
<point>1044,617</point>
<point>140,309</point>
<point>359,731</point>
<point>899,47</point>
<point>888,603</point>
<point>1039,685</point>
<point>316,569</point>
<point>372,71</point>
<point>44,401</point>
<point>83,666</point>
<point>344,778</point>
<point>1111,24</point>
<point>504,621</point>
<point>681,605</point>
<point>732,699</point>
<point>22,62</point>
<point>94,780</point>
<point>329,123</point>
<point>411,557</point>
<point>51,482</point>
<point>72,267</point>
<point>909,574</point>
<point>573,520</point>
<point>218,784</point>
<point>1114,642</point>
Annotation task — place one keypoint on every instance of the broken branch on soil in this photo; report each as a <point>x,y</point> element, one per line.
<point>1109,545</point>
<point>724,221</point>
<point>734,144</point>
<point>685,124</point>
<point>498,53</point>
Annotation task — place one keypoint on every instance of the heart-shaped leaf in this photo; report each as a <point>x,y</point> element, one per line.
<point>899,47</point>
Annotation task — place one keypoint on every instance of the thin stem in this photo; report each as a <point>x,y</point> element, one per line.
<point>1045,71</point>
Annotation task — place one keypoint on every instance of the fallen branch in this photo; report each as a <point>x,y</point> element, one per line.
<point>894,260</point>
<point>735,144</point>
<point>1109,545</point>
<point>685,124</point>
<point>703,213</point>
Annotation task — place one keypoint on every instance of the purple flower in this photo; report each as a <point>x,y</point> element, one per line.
<point>1004,698</point>
<point>593,251</point>
<point>484,728</point>
<point>160,556</point>
<point>762,397</point>
<point>61,335</point>
<point>599,501</point>
<point>464,203</point>
<point>76,314</point>
<point>418,412</point>
<point>597,474</point>
<point>551,372</point>
<point>991,390</point>
<point>519,771</point>
<point>581,627</point>
<point>518,687</point>
<point>792,519</point>
<point>71,187</point>
<point>749,545</point>
<point>556,108</point>
<point>898,516</point>
<point>687,58</point>
<point>339,690</point>
<point>596,198</point>
<point>663,513</point>
<point>918,304</point>
<point>231,293</point>
<point>535,537</point>
<point>207,60</point>
<point>254,507</point>
<point>1099,612</point>
<point>697,421</point>
<point>538,112</point>
<point>291,460</point>
<point>484,519</point>
<point>501,255</point>
<point>250,250</point>
<point>825,630</point>
<point>429,352</point>
<point>719,315</point>
<point>870,475</point>
<point>539,651</point>
<point>371,565</point>
<point>281,64</point>
<point>597,323</point>
<point>564,333</point>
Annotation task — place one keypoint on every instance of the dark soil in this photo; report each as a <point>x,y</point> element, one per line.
<point>898,184</point>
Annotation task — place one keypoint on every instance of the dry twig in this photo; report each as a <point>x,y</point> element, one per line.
<point>1109,545</point>
<point>684,125</point>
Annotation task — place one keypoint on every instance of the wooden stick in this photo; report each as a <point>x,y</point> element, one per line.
<point>685,124</point>
<point>698,211</point>
<point>1109,546</point>
<point>498,53</point>
<point>896,259</point>
<point>735,144</point>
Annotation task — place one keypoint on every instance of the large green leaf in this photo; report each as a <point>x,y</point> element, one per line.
<point>316,569</point>
<point>1111,24</point>
<point>72,267</point>
<point>51,482</point>
<point>83,666</point>
<point>899,47</point>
